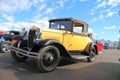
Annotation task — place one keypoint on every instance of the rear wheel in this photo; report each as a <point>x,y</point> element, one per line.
<point>49,57</point>
<point>92,55</point>
<point>5,46</point>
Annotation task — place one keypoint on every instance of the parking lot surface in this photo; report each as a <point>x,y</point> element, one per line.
<point>105,67</point>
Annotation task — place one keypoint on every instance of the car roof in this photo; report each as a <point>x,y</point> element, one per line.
<point>68,19</point>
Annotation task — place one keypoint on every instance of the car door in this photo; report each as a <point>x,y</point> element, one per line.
<point>75,41</point>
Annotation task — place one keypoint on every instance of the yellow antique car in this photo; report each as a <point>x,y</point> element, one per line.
<point>65,37</point>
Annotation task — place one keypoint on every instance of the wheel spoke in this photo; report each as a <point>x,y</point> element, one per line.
<point>49,58</point>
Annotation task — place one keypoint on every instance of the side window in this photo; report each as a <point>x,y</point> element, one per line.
<point>77,29</point>
<point>62,27</point>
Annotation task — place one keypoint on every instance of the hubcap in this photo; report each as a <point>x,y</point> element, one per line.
<point>6,47</point>
<point>49,58</point>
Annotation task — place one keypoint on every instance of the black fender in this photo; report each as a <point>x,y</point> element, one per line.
<point>56,43</point>
<point>89,46</point>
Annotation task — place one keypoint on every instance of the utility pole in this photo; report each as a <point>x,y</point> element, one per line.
<point>119,33</point>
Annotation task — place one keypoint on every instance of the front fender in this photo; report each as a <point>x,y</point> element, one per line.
<point>56,43</point>
<point>47,42</point>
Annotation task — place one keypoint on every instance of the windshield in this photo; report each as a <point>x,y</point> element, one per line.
<point>61,25</point>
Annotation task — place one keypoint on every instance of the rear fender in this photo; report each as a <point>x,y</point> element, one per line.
<point>89,46</point>
<point>95,46</point>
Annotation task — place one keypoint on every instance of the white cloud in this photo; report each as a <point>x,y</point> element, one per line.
<point>98,1</point>
<point>110,28</point>
<point>114,32</point>
<point>12,6</point>
<point>82,0</point>
<point>113,2</point>
<point>99,5</point>
<point>62,2</point>
<point>90,30</point>
<point>43,22</point>
<point>105,7</point>
<point>118,36</point>
<point>5,26</point>
<point>9,18</point>
<point>101,17</point>
<point>110,14</point>
<point>37,16</point>
<point>14,26</point>
<point>103,33</point>
<point>94,34</point>
<point>4,29</point>
<point>37,1</point>
<point>49,10</point>
<point>94,19</point>
<point>92,11</point>
<point>42,7</point>
<point>102,4</point>
<point>19,25</point>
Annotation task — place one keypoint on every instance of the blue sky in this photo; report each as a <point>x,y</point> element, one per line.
<point>101,15</point>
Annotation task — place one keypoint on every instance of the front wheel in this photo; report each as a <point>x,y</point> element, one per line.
<point>48,59</point>
<point>92,55</point>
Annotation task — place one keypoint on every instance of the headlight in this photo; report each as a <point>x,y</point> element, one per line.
<point>38,33</point>
<point>34,34</point>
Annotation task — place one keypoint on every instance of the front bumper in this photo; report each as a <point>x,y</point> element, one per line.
<point>24,52</point>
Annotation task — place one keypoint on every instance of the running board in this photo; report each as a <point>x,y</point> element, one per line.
<point>79,56</point>
<point>24,52</point>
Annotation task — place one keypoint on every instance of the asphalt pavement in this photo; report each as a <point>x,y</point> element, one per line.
<point>105,67</point>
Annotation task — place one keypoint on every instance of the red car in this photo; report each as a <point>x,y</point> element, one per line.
<point>100,47</point>
<point>2,32</point>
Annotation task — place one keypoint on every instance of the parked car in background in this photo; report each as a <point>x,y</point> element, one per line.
<point>2,32</point>
<point>109,46</point>
<point>5,40</point>
<point>99,46</point>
